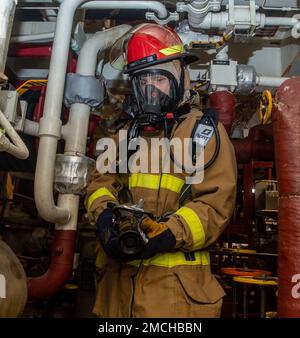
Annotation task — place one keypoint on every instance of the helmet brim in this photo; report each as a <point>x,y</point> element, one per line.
<point>186,58</point>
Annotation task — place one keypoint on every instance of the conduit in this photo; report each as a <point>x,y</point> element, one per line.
<point>286,122</point>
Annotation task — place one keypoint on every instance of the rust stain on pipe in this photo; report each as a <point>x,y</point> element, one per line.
<point>286,124</point>
<point>45,286</point>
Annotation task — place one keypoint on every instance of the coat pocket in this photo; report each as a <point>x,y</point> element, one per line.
<point>198,294</point>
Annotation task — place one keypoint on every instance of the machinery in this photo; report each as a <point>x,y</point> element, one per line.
<point>61,88</point>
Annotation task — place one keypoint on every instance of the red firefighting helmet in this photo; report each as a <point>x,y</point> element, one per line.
<point>152,44</point>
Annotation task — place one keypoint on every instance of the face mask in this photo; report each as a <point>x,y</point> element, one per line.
<point>156,92</point>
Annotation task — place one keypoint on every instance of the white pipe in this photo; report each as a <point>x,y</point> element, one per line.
<point>221,20</point>
<point>17,148</point>
<point>71,202</point>
<point>7,11</point>
<point>280,21</point>
<point>31,128</point>
<point>270,81</point>
<point>154,6</point>
<point>50,124</point>
<point>75,131</point>
<point>32,37</point>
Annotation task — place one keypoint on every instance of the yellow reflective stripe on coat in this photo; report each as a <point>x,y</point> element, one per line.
<point>172,183</point>
<point>150,181</point>
<point>140,180</point>
<point>172,50</point>
<point>195,225</point>
<point>98,193</point>
<point>172,259</point>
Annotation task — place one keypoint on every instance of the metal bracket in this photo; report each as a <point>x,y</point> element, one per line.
<point>211,6</point>
<point>152,17</point>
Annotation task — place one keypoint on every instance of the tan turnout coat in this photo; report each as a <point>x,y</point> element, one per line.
<point>177,283</point>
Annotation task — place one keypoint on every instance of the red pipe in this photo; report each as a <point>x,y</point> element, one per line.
<point>258,146</point>
<point>45,286</point>
<point>224,103</point>
<point>286,124</point>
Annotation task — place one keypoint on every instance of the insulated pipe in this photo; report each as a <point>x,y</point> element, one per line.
<point>60,268</point>
<point>154,6</point>
<point>17,148</point>
<point>7,11</point>
<point>286,123</point>
<point>50,124</point>
<point>270,81</point>
<point>257,146</point>
<point>224,103</point>
<point>75,133</point>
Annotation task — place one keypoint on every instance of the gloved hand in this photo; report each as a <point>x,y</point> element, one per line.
<point>108,233</point>
<point>160,238</point>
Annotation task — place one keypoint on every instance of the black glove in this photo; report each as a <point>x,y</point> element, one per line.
<point>108,233</point>
<point>160,238</point>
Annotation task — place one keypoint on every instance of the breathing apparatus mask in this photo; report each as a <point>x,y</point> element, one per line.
<point>157,91</point>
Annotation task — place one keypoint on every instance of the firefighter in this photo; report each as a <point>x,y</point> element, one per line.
<point>171,275</point>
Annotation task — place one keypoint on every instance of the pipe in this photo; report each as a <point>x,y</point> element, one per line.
<point>284,9</point>
<point>75,131</point>
<point>50,124</point>
<point>286,122</point>
<point>75,134</point>
<point>31,38</point>
<point>154,6</point>
<point>224,103</point>
<point>7,11</point>
<point>221,20</point>
<point>31,128</point>
<point>270,81</point>
<point>17,147</point>
<point>257,146</point>
<point>60,268</point>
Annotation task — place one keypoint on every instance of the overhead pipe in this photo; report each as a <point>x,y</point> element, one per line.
<point>286,122</point>
<point>154,6</point>
<point>220,20</point>
<point>7,12</point>
<point>75,135</point>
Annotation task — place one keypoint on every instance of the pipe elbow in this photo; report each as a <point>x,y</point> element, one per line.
<point>47,285</point>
